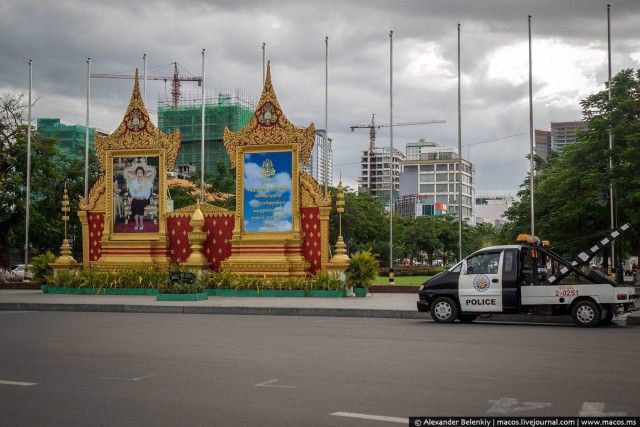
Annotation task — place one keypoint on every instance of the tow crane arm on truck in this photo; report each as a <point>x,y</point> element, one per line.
<point>585,257</point>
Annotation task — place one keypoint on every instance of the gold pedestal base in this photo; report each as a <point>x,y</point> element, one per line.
<point>270,259</point>
<point>65,261</point>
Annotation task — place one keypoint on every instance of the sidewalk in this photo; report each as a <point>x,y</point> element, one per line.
<point>379,305</point>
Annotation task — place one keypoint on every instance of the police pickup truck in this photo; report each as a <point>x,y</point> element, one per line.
<point>514,279</point>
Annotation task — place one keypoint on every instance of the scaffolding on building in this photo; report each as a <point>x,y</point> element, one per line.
<point>223,108</point>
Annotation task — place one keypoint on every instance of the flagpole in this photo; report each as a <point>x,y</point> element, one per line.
<point>28,196</point>
<point>202,142</point>
<point>531,162</point>
<point>86,137</point>
<point>144,81</point>
<point>459,158</point>
<point>391,278</point>
<point>612,197</point>
<point>264,45</point>
<point>326,114</point>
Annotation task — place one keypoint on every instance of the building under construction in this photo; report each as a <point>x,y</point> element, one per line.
<point>71,138</point>
<point>226,109</point>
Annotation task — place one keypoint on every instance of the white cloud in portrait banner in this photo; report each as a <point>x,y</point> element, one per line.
<point>253,179</point>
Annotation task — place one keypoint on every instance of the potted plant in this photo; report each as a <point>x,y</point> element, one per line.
<point>361,272</point>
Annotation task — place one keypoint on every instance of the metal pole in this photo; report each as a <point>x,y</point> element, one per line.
<point>264,45</point>
<point>326,115</point>
<point>86,137</point>
<point>612,196</point>
<point>202,141</point>
<point>459,158</point>
<point>531,162</point>
<point>28,196</point>
<point>144,81</point>
<point>391,278</point>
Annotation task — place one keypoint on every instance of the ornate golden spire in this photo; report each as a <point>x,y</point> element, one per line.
<point>138,131</point>
<point>270,126</point>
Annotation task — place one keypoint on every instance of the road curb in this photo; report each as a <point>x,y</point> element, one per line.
<point>281,311</point>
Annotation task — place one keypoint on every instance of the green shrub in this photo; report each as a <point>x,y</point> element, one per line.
<point>328,280</point>
<point>143,277</point>
<point>227,280</point>
<point>181,288</point>
<point>40,267</point>
<point>362,270</point>
<point>414,270</point>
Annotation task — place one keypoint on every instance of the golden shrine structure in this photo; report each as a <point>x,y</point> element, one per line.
<point>281,222</point>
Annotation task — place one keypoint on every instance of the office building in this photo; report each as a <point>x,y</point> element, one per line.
<point>543,143</point>
<point>429,182</point>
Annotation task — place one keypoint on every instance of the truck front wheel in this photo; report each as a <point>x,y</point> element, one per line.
<point>586,313</point>
<point>444,310</point>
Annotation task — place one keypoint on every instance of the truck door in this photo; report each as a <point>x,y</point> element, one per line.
<point>480,283</point>
<point>510,285</point>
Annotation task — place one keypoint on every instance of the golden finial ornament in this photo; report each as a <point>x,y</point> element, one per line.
<point>197,237</point>
<point>340,254</point>
<point>65,257</point>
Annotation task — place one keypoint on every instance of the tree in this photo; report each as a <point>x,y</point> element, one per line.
<point>567,184</point>
<point>364,223</point>
<point>51,171</point>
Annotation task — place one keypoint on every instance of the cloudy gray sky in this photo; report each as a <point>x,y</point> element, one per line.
<point>569,63</point>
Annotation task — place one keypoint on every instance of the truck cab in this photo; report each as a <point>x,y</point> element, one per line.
<point>515,279</point>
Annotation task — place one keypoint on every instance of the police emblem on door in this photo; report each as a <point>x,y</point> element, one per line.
<point>481,283</point>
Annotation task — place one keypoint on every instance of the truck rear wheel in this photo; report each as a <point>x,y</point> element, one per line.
<point>444,310</point>
<point>586,313</point>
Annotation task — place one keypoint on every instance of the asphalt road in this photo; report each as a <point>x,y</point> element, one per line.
<point>67,369</point>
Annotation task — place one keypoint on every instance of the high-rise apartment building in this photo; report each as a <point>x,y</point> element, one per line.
<point>319,169</point>
<point>379,172</point>
<point>429,182</point>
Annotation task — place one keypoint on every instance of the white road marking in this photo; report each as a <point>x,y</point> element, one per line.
<point>16,383</point>
<point>372,417</point>
<point>507,405</point>
<point>596,409</point>
<point>268,384</point>
<point>129,379</point>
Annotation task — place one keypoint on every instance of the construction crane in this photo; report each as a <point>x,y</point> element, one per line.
<point>373,126</point>
<point>372,137</point>
<point>175,81</point>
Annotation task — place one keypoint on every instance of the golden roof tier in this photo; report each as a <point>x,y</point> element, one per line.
<point>137,131</point>
<point>269,126</point>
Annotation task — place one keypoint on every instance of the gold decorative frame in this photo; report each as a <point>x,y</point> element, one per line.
<point>108,233</point>
<point>276,252</point>
<point>265,237</point>
<point>136,136</point>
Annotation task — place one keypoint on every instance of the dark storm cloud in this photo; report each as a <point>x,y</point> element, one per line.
<point>60,35</point>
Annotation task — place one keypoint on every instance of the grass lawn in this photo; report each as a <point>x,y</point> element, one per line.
<point>402,280</point>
